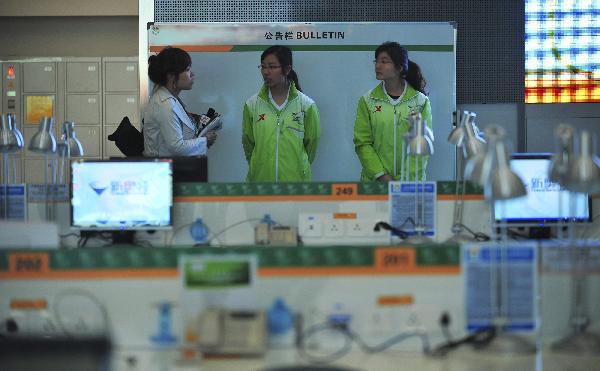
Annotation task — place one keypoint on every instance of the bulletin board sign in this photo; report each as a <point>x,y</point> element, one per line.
<point>501,282</point>
<point>334,62</point>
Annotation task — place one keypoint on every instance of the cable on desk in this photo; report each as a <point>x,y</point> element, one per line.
<point>478,339</point>
<point>77,292</point>
<point>478,236</point>
<point>388,227</point>
<point>216,235</point>
<point>82,241</point>
<point>516,235</point>
<point>177,230</point>
<point>350,337</point>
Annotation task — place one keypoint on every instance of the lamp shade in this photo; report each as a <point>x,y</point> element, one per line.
<point>562,158</point>
<point>421,144</point>
<point>43,140</point>
<point>12,122</point>
<point>457,135</point>
<point>9,142</point>
<point>72,146</point>
<point>480,166</point>
<point>506,184</point>
<point>473,144</point>
<point>584,174</point>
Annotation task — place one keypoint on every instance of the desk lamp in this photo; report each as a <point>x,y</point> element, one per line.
<point>457,134</point>
<point>561,163</point>
<point>582,176</point>
<point>10,143</point>
<point>562,158</point>
<point>419,145</point>
<point>43,142</point>
<point>492,170</point>
<point>12,122</point>
<point>69,146</point>
<point>408,137</point>
<point>464,137</point>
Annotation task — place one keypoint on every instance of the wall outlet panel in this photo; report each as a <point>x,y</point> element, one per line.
<point>326,228</point>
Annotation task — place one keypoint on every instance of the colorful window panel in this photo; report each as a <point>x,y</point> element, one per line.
<point>562,56</point>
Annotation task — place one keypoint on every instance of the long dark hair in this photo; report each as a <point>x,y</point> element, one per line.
<point>169,61</point>
<point>410,70</point>
<point>284,56</point>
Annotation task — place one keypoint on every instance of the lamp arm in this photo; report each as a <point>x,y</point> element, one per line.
<point>459,207</point>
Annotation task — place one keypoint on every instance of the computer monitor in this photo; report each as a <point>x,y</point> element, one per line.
<point>541,206</point>
<point>121,195</point>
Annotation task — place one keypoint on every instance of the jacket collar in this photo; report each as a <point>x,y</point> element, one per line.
<point>164,94</point>
<point>379,93</point>
<point>264,92</point>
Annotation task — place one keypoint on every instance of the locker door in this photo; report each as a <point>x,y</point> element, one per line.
<point>39,77</point>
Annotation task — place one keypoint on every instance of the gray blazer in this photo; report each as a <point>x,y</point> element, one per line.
<point>168,130</point>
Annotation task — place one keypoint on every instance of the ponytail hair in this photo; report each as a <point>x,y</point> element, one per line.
<point>170,61</point>
<point>294,77</point>
<point>284,56</point>
<point>411,71</point>
<point>415,78</point>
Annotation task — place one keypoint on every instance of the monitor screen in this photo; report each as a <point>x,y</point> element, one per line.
<point>546,202</point>
<point>121,195</point>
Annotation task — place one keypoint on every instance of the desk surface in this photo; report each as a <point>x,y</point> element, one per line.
<point>460,360</point>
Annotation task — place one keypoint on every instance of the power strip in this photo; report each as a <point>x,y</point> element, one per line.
<point>341,229</point>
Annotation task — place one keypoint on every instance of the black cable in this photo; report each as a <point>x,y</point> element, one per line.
<point>349,337</point>
<point>445,324</point>
<point>478,339</point>
<point>83,241</point>
<point>516,235</point>
<point>398,232</point>
<point>478,236</point>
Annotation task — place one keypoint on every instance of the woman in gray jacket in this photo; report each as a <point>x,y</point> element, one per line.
<point>168,128</point>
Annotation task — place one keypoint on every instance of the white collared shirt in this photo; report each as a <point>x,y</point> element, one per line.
<point>279,107</point>
<point>393,101</point>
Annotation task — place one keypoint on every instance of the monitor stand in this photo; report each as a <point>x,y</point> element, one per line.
<point>540,233</point>
<point>123,237</point>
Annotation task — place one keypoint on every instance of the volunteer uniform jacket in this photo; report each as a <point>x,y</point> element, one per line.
<point>379,130</point>
<point>168,130</point>
<point>280,145</point>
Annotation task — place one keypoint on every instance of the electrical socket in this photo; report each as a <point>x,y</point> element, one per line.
<point>310,226</point>
<point>325,228</point>
<point>334,228</point>
<point>359,228</point>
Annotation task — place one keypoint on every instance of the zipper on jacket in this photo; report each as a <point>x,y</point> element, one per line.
<point>278,114</point>
<point>395,150</point>
<point>277,151</point>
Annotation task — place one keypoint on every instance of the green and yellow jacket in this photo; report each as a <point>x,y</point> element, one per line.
<point>379,129</point>
<point>281,144</point>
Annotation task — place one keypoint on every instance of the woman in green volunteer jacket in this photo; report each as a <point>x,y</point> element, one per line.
<point>281,126</point>
<point>382,117</point>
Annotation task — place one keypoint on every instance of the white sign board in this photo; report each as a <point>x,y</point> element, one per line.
<point>334,62</point>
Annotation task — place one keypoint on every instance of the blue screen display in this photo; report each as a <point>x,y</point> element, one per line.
<point>121,195</point>
<point>545,201</point>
